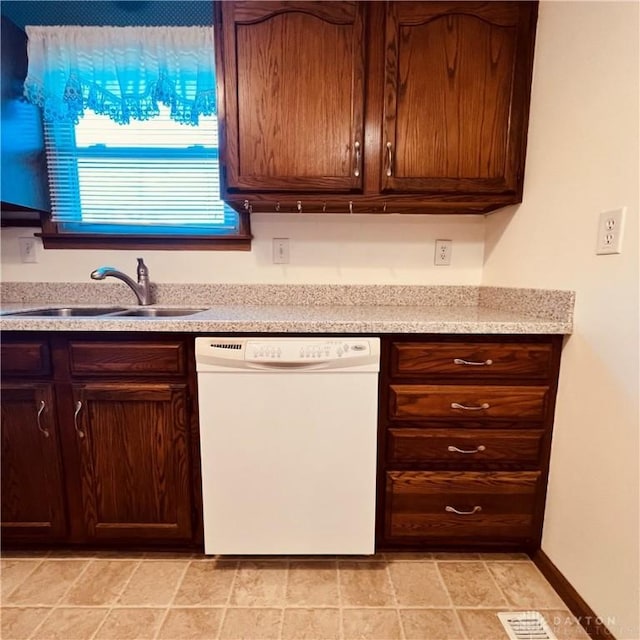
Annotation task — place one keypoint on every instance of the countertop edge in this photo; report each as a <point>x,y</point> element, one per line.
<point>266,324</point>
<point>328,309</point>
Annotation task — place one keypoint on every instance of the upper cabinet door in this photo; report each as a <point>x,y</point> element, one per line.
<point>292,94</point>
<point>456,96</point>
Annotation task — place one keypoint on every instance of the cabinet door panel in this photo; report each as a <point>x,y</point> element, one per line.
<point>453,96</point>
<point>294,117</point>
<point>135,464</point>
<point>32,489</point>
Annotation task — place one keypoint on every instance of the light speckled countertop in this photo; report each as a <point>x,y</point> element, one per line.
<point>375,309</point>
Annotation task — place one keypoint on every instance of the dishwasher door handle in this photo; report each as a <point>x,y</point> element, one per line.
<point>287,366</point>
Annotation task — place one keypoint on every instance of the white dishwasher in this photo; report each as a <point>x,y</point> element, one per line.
<point>288,444</point>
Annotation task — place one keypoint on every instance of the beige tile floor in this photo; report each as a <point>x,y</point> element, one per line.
<point>120,596</point>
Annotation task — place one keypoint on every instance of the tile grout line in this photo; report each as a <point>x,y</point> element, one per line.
<point>111,606</point>
<point>340,602</point>
<point>394,595</point>
<point>55,606</point>
<point>451,603</point>
<point>227,604</point>
<point>284,603</point>
<point>168,606</point>
<point>495,582</point>
<point>23,579</point>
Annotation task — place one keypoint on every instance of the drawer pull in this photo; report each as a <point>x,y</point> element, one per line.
<point>79,431</point>
<point>479,448</point>
<point>475,509</point>
<point>456,405</point>
<point>471,363</point>
<point>44,431</point>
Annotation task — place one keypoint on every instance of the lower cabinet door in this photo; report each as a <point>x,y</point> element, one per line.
<point>460,506</point>
<point>134,453</point>
<point>33,506</point>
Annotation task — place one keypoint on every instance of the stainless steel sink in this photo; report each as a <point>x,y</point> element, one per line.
<point>66,312</point>
<point>159,312</point>
<point>110,312</point>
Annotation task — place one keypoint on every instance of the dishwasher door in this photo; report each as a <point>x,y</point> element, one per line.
<point>289,455</point>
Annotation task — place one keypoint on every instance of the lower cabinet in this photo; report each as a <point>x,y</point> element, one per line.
<point>33,505</point>
<point>100,440</point>
<point>134,460</point>
<point>465,436</point>
<point>99,444</point>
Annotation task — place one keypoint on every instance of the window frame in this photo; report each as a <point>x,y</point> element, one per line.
<point>57,235</point>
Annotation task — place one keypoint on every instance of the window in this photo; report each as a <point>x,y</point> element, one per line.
<point>131,138</point>
<point>153,177</point>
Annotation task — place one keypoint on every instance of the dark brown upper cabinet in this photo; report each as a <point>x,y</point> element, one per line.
<point>374,106</point>
<point>456,95</point>
<point>294,90</point>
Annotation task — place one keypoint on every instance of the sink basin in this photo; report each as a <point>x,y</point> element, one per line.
<point>66,312</point>
<point>158,312</point>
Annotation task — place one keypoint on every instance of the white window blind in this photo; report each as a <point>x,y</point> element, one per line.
<point>148,176</point>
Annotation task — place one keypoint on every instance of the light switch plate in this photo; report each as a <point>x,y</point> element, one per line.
<point>28,249</point>
<point>281,251</point>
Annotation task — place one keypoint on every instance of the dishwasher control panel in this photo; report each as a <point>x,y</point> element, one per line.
<point>281,352</point>
<point>293,350</point>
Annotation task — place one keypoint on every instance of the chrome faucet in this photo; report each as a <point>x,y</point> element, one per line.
<point>142,288</point>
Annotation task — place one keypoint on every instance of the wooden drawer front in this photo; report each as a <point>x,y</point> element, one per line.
<point>466,402</point>
<point>25,358</point>
<point>471,359</point>
<point>106,358</point>
<point>463,446</point>
<point>494,505</point>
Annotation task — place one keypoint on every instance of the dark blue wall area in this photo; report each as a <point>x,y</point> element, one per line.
<point>108,12</point>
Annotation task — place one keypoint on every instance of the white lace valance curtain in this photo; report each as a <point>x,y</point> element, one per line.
<point>122,72</point>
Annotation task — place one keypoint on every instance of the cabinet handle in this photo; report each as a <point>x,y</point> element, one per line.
<point>44,431</point>
<point>356,171</point>
<point>471,363</point>
<point>389,160</point>
<point>455,405</point>
<point>479,448</point>
<point>475,509</point>
<point>79,431</point>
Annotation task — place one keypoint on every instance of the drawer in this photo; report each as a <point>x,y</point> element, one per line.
<point>466,402</point>
<point>466,447</point>
<point>465,506</point>
<point>467,360</point>
<point>127,358</point>
<point>28,357</point>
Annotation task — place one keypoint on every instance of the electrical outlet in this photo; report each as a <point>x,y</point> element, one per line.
<point>281,251</point>
<point>610,230</point>
<point>442,255</point>
<point>28,249</point>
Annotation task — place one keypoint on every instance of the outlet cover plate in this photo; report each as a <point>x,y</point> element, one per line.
<point>442,254</point>
<point>610,231</point>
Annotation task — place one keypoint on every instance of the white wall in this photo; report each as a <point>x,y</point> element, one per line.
<point>583,158</point>
<point>358,249</point>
